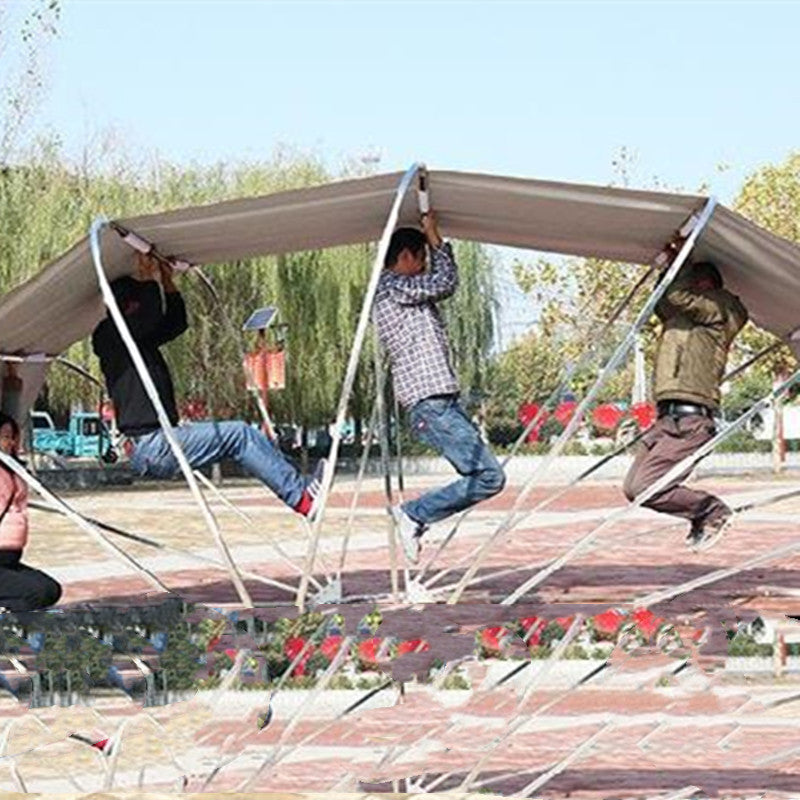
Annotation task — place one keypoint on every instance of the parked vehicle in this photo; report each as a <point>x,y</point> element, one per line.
<point>86,437</point>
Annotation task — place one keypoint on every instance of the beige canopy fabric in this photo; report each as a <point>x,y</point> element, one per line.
<point>62,303</point>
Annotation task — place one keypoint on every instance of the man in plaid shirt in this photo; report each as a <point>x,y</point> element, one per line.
<point>412,330</point>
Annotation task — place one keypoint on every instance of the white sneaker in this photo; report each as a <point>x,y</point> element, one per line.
<point>409,532</point>
<point>314,489</point>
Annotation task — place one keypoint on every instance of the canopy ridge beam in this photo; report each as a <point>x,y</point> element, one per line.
<point>688,235</point>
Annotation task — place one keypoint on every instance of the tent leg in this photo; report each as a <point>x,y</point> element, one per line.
<point>657,487</point>
<point>152,392</point>
<point>386,468</point>
<point>249,520</point>
<point>350,374</point>
<point>692,230</point>
<point>362,468</point>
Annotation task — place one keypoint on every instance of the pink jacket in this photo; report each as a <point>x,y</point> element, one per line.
<point>14,525</point>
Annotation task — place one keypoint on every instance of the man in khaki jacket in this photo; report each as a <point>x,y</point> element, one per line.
<point>700,319</point>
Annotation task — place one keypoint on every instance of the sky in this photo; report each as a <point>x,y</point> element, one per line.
<point>544,90</point>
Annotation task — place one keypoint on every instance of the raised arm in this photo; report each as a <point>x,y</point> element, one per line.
<point>701,307</point>
<point>437,284</point>
<point>174,321</point>
<point>442,279</point>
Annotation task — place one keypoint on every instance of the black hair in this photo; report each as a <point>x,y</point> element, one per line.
<point>6,419</point>
<point>706,270</point>
<point>404,239</point>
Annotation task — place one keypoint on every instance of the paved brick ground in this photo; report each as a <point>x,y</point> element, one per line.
<point>634,557</point>
<point>637,556</point>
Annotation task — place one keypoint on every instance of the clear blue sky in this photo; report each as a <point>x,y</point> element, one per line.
<point>548,90</point>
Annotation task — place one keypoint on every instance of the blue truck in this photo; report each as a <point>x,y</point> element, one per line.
<point>86,437</point>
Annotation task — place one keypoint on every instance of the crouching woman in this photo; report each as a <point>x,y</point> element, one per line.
<point>21,587</point>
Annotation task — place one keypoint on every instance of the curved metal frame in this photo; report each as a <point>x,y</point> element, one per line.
<point>698,223</point>
<point>122,327</point>
<point>350,374</point>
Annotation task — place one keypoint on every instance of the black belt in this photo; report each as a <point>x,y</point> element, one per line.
<point>673,408</point>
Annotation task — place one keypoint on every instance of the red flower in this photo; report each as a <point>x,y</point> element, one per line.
<point>330,646</point>
<point>527,413</point>
<point>491,639</point>
<point>606,417</point>
<point>647,622</point>
<point>231,653</point>
<point>212,643</point>
<point>644,414</point>
<point>412,646</point>
<point>564,411</point>
<point>533,628</point>
<point>608,623</point>
<point>368,651</point>
<point>292,649</point>
<point>564,622</point>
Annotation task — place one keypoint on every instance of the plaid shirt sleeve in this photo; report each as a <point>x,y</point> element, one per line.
<point>413,332</point>
<point>437,284</point>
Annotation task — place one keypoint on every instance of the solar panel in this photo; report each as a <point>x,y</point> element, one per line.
<point>261,319</point>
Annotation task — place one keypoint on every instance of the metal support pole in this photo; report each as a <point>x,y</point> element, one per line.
<point>694,227</point>
<point>350,375</point>
<point>604,460</point>
<point>652,491</point>
<point>386,467</point>
<point>588,353</point>
<point>362,468</point>
<point>166,426</point>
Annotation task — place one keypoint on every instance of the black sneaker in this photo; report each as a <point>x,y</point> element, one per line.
<point>314,489</point>
<point>695,533</point>
<point>710,533</point>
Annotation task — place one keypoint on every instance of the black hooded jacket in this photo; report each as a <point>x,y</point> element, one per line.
<point>151,327</point>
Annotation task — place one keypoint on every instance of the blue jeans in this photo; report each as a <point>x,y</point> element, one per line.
<point>206,443</point>
<point>442,424</point>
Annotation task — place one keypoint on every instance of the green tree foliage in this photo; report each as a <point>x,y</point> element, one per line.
<point>180,662</point>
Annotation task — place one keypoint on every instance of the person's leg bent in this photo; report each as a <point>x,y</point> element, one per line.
<point>443,425</point>
<point>23,588</point>
<point>205,443</point>
<point>668,443</point>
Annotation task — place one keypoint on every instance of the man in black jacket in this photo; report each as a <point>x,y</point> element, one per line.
<point>153,321</point>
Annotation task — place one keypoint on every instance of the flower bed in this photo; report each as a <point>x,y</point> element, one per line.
<point>303,648</point>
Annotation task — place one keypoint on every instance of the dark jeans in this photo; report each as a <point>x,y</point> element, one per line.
<point>206,443</point>
<point>441,423</point>
<point>667,443</point>
<point>23,588</point>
